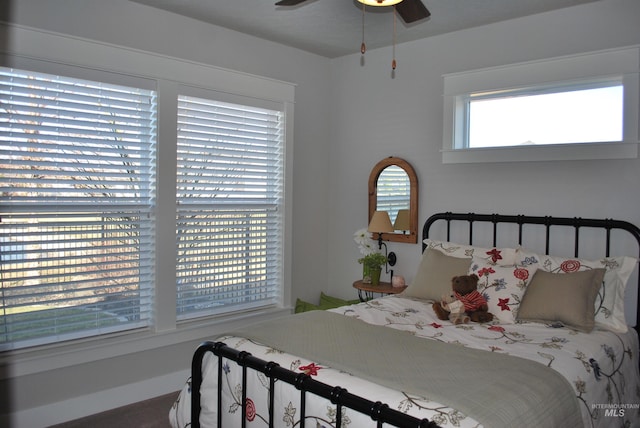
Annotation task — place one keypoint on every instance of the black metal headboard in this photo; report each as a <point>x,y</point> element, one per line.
<point>520,220</point>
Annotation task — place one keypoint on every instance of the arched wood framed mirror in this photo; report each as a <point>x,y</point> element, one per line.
<point>393,187</point>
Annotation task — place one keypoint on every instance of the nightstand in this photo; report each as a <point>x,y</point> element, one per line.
<point>366,291</point>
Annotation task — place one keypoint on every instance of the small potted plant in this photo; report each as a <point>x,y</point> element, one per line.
<point>372,264</point>
<point>372,261</point>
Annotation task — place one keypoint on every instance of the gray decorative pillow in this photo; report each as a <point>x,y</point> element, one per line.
<point>609,304</point>
<point>433,278</point>
<point>562,297</point>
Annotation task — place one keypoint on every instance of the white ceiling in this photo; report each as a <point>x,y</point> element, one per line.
<point>333,28</point>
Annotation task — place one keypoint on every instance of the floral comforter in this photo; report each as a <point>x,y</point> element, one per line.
<point>601,366</point>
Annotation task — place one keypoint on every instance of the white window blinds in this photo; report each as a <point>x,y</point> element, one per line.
<point>230,172</point>
<point>77,176</point>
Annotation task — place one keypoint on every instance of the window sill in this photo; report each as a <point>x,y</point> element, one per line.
<point>560,152</point>
<point>30,361</point>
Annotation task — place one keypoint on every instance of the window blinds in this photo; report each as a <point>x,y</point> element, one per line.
<point>77,176</point>
<point>230,172</point>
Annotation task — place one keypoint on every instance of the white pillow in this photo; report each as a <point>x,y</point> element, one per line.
<point>502,287</point>
<point>500,256</point>
<point>609,304</point>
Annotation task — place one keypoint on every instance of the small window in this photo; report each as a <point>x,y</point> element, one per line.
<point>559,115</point>
<point>568,108</point>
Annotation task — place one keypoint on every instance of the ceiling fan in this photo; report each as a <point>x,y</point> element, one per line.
<point>409,10</point>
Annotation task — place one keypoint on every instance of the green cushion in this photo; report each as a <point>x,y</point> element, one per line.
<point>302,306</point>
<point>326,302</point>
<point>334,302</point>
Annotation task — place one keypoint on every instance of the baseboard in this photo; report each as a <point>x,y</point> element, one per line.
<point>80,407</point>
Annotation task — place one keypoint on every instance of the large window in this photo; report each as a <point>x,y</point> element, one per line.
<point>568,108</point>
<point>230,206</point>
<point>77,176</point>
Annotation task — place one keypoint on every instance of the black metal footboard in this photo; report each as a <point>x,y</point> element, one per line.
<point>339,396</point>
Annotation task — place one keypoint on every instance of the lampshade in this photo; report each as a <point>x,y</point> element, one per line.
<point>379,2</point>
<point>380,222</point>
<point>402,220</point>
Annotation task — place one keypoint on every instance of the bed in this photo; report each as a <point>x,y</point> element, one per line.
<point>559,351</point>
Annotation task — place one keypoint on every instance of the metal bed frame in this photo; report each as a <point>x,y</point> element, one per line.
<point>379,412</point>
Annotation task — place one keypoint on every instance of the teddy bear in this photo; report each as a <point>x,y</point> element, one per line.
<point>465,289</point>
<point>455,307</point>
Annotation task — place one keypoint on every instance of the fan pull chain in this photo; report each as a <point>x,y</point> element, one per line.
<point>363,47</point>
<point>393,61</point>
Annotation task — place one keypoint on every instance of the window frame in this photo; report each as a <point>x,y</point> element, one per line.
<point>117,261</point>
<point>611,65</point>
<point>268,202</point>
<point>82,58</point>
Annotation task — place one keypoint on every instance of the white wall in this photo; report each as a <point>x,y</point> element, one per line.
<point>376,116</point>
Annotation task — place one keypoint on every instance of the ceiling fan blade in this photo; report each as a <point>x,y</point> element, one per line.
<point>412,10</point>
<point>289,2</point>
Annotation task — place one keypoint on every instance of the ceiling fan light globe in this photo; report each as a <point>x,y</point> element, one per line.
<point>379,2</point>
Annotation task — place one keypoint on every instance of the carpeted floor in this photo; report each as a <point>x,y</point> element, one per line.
<point>153,413</point>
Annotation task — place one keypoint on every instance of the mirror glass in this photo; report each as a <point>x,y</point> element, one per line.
<point>393,192</point>
<point>393,187</point>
